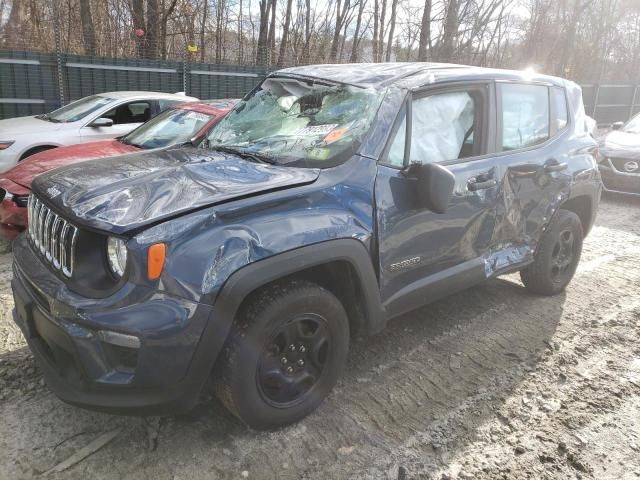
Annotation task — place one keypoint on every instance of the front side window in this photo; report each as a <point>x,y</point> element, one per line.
<point>168,128</point>
<point>132,112</point>
<point>77,110</point>
<point>289,121</point>
<point>442,129</point>
<point>525,115</point>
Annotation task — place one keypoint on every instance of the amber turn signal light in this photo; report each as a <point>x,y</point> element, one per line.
<point>155,260</point>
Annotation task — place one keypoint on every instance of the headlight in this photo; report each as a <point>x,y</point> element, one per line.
<point>117,255</point>
<point>6,144</point>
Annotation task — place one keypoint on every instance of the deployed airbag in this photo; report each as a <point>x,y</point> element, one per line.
<point>439,125</point>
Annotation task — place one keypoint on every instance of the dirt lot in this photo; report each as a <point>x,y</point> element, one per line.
<point>490,383</point>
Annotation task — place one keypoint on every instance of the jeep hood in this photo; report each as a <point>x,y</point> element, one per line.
<point>125,193</point>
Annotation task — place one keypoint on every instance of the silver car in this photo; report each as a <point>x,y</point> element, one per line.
<point>97,117</point>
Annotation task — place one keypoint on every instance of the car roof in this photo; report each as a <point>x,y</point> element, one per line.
<point>212,107</point>
<point>410,75</point>
<point>143,94</point>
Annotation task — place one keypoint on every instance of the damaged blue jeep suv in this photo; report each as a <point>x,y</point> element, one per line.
<point>332,199</point>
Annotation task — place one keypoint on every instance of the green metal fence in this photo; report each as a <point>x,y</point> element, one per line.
<point>32,83</point>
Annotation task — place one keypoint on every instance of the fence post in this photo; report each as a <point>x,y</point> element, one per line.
<point>595,102</point>
<point>58,42</point>
<point>633,100</point>
<point>185,68</point>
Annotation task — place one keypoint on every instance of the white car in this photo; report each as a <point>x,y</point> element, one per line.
<point>97,117</point>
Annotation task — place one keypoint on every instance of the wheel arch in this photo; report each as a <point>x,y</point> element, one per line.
<point>584,207</point>
<point>33,149</point>
<point>342,266</point>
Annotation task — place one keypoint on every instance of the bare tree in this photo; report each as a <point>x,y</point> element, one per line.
<point>425,32</point>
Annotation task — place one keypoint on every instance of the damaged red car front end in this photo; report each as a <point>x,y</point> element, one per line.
<point>15,186</point>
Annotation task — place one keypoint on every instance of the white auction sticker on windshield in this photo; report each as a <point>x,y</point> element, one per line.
<point>316,129</point>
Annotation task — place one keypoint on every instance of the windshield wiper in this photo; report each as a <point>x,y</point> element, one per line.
<point>256,157</point>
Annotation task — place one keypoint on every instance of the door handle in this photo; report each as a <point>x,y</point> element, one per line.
<point>552,165</point>
<point>473,184</point>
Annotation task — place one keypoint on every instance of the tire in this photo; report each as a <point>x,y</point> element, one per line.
<point>33,151</point>
<point>557,256</point>
<point>259,377</point>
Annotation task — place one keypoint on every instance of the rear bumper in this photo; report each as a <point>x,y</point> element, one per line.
<point>81,365</point>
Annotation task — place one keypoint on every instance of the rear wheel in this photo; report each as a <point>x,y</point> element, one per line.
<point>284,354</point>
<point>557,256</point>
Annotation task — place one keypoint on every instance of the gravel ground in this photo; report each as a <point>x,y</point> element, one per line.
<point>489,383</point>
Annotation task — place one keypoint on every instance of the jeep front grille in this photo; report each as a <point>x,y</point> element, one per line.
<point>52,236</point>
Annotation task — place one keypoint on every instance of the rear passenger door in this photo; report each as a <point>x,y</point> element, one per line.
<point>532,121</point>
<point>423,254</point>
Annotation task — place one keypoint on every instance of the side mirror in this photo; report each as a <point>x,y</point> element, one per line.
<point>617,125</point>
<point>101,122</point>
<point>434,185</point>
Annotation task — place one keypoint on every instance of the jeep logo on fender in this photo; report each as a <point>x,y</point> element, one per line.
<point>631,166</point>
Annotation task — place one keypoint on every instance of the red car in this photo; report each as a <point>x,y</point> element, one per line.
<point>176,125</point>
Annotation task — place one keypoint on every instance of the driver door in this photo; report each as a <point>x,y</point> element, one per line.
<point>423,255</point>
<point>125,116</point>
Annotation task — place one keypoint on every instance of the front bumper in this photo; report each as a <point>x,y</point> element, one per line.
<point>13,219</point>
<point>178,342</point>
<point>619,182</point>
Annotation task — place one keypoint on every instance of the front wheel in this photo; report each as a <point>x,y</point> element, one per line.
<point>284,354</point>
<point>557,256</point>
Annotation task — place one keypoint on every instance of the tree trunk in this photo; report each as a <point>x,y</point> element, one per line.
<point>272,32</point>
<point>381,30</point>
<point>137,15</point>
<point>450,31</point>
<point>263,33</point>
<point>307,33</point>
<point>12,31</point>
<point>376,27</point>
<point>220,9</point>
<point>88,29</point>
<point>425,32</point>
<point>240,36</point>
<point>285,34</point>
<point>392,27</point>
<point>356,36</point>
<point>341,14</point>
<point>205,10</point>
<point>153,20</point>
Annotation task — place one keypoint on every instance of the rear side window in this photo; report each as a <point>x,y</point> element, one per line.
<point>561,116</point>
<point>525,115</point>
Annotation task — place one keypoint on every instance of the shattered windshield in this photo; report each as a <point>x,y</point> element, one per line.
<point>289,120</point>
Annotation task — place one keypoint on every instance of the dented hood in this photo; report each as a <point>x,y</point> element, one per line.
<point>125,193</point>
